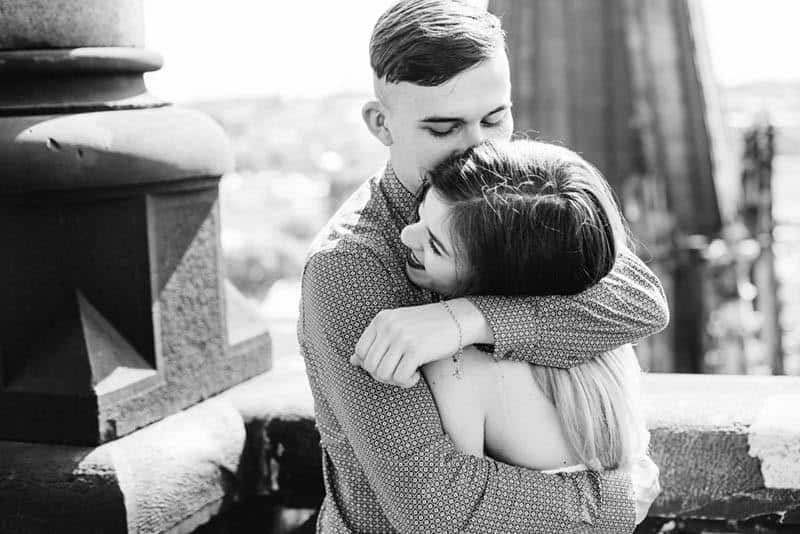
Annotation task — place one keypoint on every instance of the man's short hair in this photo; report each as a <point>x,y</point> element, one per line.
<point>428,42</point>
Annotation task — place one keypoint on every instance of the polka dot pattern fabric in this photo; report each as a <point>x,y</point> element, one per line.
<point>388,466</point>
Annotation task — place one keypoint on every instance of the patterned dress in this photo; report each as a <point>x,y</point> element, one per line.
<point>388,465</point>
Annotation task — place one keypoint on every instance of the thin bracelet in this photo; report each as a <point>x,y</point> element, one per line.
<point>458,353</point>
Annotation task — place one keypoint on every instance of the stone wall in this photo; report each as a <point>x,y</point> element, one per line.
<point>728,448</point>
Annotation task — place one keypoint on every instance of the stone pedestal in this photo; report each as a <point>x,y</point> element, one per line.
<point>112,309</point>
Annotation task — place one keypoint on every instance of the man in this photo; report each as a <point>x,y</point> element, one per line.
<point>442,85</point>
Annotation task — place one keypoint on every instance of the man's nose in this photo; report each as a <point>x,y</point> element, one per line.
<point>473,135</point>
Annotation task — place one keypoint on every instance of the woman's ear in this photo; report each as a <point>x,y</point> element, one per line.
<point>374,116</point>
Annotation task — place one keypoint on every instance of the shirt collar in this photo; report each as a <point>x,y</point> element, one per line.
<point>401,200</point>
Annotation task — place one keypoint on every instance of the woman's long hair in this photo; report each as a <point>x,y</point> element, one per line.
<point>531,218</point>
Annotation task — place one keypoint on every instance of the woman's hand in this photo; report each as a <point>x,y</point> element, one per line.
<point>646,486</point>
<point>398,342</point>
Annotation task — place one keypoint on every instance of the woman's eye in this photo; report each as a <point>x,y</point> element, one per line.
<point>434,248</point>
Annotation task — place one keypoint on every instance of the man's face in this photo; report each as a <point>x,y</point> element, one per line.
<point>428,124</point>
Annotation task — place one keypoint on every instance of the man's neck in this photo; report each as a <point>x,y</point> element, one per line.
<point>411,183</point>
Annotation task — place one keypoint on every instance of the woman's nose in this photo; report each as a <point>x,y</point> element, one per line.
<point>407,236</point>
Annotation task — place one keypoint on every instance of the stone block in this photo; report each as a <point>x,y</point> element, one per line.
<point>70,23</point>
<point>283,442</point>
<point>113,309</point>
<point>168,477</point>
<point>720,440</point>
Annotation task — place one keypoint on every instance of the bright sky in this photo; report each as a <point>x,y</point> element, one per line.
<point>236,48</point>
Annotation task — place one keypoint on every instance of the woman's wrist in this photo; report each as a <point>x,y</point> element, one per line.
<point>474,326</point>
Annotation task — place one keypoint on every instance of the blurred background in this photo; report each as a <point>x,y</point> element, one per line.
<point>704,157</point>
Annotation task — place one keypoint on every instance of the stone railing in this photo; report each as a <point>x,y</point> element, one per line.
<point>729,451</point>
<point>728,448</point>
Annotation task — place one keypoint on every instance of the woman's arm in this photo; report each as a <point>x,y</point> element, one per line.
<point>459,399</point>
<point>625,306</point>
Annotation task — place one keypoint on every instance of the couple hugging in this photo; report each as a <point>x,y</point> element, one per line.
<point>466,316</point>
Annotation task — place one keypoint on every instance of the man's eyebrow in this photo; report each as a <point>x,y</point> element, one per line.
<point>498,108</point>
<point>434,118</point>
<point>438,243</point>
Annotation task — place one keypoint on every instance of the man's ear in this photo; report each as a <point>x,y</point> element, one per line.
<point>374,116</point>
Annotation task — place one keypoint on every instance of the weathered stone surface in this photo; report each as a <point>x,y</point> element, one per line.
<point>716,439</point>
<point>113,309</point>
<point>148,482</point>
<point>84,60</point>
<point>260,515</point>
<point>743,506</point>
<point>176,473</point>
<point>701,428</point>
<point>70,23</point>
<point>138,284</point>
<point>75,80</point>
<point>700,466</point>
<point>109,149</point>
<point>244,320</point>
<point>774,438</point>
<point>283,442</point>
<point>699,439</point>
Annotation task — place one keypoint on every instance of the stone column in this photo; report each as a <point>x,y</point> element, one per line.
<point>112,309</point>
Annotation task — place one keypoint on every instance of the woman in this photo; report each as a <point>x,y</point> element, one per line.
<point>528,218</point>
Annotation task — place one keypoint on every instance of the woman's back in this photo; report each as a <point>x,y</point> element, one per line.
<point>503,409</point>
<point>496,408</point>
<point>522,425</point>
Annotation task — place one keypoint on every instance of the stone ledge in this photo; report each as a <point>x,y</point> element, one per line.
<point>727,447</point>
<point>283,455</point>
<point>173,475</point>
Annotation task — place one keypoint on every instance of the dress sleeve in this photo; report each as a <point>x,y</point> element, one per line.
<point>628,304</point>
<point>422,482</point>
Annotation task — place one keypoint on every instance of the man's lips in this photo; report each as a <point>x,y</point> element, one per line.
<point>413,262</point>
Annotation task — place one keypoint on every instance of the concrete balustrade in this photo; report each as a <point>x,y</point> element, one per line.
<point>728,448</point>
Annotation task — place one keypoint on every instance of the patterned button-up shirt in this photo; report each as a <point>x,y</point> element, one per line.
<point>388,465</point>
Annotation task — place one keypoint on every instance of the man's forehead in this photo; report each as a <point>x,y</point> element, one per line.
<point>476,91</point>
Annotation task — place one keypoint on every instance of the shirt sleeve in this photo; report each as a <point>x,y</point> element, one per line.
<point>422,482</point>
<point>627,305</point>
